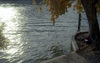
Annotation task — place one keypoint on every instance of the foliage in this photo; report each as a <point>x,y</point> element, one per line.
<point>98,7</point>
<point>3,40</point>
<point>59,7</point>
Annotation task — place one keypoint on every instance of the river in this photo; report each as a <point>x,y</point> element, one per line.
<point>27,36</point>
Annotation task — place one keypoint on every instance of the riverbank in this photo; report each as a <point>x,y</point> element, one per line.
<point>77,56</point>
<point>70,58</point>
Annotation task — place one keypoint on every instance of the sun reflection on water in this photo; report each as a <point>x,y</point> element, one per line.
<point>12,51</point>
<point>7,13</point>
<point>9,17</point>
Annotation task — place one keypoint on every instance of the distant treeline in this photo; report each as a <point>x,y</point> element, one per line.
<point>19,1</point>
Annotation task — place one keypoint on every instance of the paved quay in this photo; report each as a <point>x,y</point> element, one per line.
<point>70,58</point>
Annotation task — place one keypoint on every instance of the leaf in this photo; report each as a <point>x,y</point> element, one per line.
<point>83,12</point>
<point>74,9</point>
<point>34,2</point>
<point>43,0</point>
<point>41,10</point>
<point>40,3</point>
<point>98,13</point>
<point>72,1</point>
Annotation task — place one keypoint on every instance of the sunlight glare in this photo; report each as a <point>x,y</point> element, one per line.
<point>12,51</point>
<point>9,16</point>
<point>6,13</point>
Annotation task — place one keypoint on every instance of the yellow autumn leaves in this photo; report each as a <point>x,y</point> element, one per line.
<point>59,7</point>
<point>34,2</point>
<point>98,7</point>
<point>79,7</point>
<point>56,7</point>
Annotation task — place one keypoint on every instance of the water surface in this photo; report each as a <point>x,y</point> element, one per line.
<point>31,36</point>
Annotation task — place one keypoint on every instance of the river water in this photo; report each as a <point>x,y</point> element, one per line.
<point>27,36</point>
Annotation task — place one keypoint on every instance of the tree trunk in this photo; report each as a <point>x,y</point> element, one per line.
<point>90,9</point>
